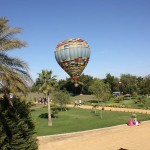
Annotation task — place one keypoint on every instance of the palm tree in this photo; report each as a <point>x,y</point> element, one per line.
<point>47,84</point>
<point>14,76</point>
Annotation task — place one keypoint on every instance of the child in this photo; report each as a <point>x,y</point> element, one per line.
<point>130,123</point>
<point>135,122</point>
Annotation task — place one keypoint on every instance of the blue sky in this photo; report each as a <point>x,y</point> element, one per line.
<point>118,32</point>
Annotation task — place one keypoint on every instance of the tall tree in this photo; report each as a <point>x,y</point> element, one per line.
<point>61,98</point>
<point>14,76</point>
<point>68,85</point>
<point>128,83</point>
<point>16,126</point>
<point>146,85</point>
<point>140,85</point>
<point>47,84</point>
<point>100,90</point>
<point>113,82</point>
<point>84,83</point>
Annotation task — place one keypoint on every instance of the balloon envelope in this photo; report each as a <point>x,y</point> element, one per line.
<point>73,55</point>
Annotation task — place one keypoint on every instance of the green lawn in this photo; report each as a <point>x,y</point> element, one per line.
<point>77,119</point>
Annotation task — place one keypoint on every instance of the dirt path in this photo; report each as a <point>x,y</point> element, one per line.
<point>120,137</point>
<point>116,109</point>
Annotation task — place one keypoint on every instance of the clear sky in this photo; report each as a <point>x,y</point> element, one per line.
<point>118,32</point>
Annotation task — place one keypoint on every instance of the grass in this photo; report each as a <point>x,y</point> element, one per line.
<point>77,119</point>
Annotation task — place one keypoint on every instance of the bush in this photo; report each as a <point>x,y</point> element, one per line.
<point>16,126</point>
<point>61,98</point>
<point>103,108</point>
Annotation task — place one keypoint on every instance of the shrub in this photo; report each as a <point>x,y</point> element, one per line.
<point>103,108</point>
<point>16,126</point>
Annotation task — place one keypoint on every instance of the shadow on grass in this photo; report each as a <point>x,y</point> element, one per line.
<point>54,114</point>
<point>32,109</point>
<point>45,115</point>
<point>93,101</point>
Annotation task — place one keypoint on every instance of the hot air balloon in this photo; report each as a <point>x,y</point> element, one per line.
<point>73,55</point>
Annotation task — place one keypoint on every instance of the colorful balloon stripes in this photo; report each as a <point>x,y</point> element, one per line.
<point>73,55</point>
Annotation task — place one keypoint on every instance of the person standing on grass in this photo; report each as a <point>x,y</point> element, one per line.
<point>80,102</point>
<point>75,103</point>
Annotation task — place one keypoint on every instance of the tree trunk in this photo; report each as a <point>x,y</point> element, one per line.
<point>101,113</point>
<point>101,110</point>
<point>49,112</point>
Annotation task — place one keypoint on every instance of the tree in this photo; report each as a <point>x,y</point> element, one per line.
<point>128,83</point>
<point>140,85</point>
<point>146,85</point>
<point>113,82</point>
<point>100,90</point>
<point>14,76</point>
<point>68,85</point>
<point>61,98</point>
<point>84,83</point>
<point>47,84</point>
<point>16,126</point>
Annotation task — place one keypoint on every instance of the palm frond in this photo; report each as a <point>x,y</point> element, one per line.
<point>12,62</point>
<point>11,44</point>
<point>13,81</point>
<point>14,74</point>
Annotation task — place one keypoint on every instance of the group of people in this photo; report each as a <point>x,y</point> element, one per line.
<point>77,103</point>
<point>42,100</point>
<point>133,122</point>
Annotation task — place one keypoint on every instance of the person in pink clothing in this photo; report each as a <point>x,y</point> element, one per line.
<point>130,123</point>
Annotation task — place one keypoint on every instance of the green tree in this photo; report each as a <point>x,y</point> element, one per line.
<point>47,84</point>
<point>140,85</point>
<point>14,76</point>
<point>113,82</point>
<point>146,85</point>
<point>61,98</point>
<point>100,90</point>
<point>16,126</point>
<point>128,83</point>
<point>68,85</point>
<point>84,83</point>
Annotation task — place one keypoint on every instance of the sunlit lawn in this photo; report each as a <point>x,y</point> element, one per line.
<point>77,119</point>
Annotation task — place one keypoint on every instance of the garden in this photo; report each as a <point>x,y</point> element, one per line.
<point>78,119</point>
